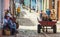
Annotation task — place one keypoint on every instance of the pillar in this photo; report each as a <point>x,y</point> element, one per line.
<point>50,4</point>
<point>42,4</point>
<point>56,8</point>
<point>47,4</point>
<point>12,6</point>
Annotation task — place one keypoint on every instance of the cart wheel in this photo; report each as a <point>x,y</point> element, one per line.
<point>39,28</point>
<point>54,28</point>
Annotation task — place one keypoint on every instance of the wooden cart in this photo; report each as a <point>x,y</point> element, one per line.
<point>43,24</point>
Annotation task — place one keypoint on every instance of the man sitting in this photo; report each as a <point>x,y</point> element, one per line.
<point>9,23</point>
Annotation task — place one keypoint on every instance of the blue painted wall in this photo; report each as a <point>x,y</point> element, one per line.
<point>40,4</point>
<point>27,2</point>
<point>33,3</point>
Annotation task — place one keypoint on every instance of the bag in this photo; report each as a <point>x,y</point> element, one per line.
<point>7,32</point>
<point>17,25</point>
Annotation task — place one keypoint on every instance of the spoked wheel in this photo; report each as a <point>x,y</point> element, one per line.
<point>39,28</point>
<point>54,29</point>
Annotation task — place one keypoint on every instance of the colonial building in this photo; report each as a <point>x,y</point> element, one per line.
<point>37,4</point>
<point>48,4</point>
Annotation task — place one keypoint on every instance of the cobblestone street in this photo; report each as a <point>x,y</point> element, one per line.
<point>28,28</point>
<point>30,18</point>
<point>33,33</point>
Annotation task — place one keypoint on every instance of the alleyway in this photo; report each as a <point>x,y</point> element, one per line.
<point>28,27</point>
<point>28,21</point>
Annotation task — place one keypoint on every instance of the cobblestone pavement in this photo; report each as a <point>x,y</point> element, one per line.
<point>29,21</point>
<point>33,33</point>
<point>26,22</point>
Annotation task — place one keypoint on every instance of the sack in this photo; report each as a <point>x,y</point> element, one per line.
<point>45,18</point>
<point>17,25</point>
<point>7,32</point>
<point>52,16</point>
<point>50,19</point>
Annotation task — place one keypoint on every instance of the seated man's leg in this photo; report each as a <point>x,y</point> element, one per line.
<point>13,29</point>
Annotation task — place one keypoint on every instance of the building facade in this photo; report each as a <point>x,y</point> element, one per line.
<point>4,5</point>
<point>50,4</point>
<point>37,4</point>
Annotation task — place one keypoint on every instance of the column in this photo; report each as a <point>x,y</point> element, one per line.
<point>39,5</point>
<point>44,5</point>
<point>56,8</point>
<point>36,5</point>
<point>50,4</point>
<point>12,6</point>
<point>47,4</point>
